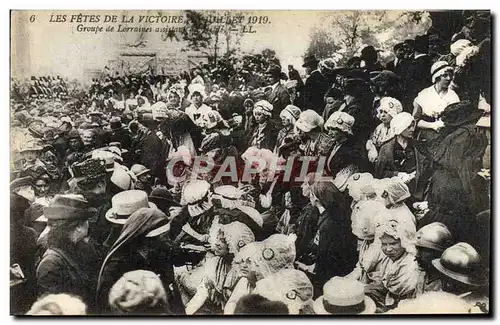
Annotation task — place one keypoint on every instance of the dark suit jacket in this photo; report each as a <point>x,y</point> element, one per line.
<point>314,92</point>
<point>279,98</point>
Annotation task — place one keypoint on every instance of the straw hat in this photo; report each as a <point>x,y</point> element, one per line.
<point>343,296</point>
<point>125,203</point>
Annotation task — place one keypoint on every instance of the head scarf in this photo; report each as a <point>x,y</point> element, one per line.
<point>264,107</point>
<point>289,286</point>
<point>291,112</point>
<point>194,194</point>
<point>400,122</point>
<point>391,105</point>
<point>396,230</point>
<point>395,191</point>
<point>237,236</point>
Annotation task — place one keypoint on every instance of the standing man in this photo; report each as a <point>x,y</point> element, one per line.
<point>278,97</point>
<point>315,87</point>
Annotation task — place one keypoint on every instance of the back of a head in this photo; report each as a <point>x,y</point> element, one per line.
<point>58,304</point>
<point>138,292</point>
<point>253,304</point>
<point>433,303</point>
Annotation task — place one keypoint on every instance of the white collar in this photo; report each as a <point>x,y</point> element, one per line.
<point>419,55</point>
<point>275,85</point>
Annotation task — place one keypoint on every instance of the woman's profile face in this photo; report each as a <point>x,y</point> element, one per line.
<point>445,79</point>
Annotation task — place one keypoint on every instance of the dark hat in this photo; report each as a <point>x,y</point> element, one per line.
<point>354,83</point>
<point>162,197</point>
<point>115,123</point>
<point>69,207</point>
<point>310,60</point>
<point>274,70</point>
<point>90,169</point>
<point>352,73</point>
<point>422,43</point>
<point>73,134</point>
<point>385,77</point>
<point>410,42</point>
<point>18,204</point>
<point>460,113</point>
<point>398,46</point>
<point>334,92</point>
<point>368,51</point>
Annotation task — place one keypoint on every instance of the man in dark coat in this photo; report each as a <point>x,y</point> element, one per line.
<point>119,133</point>
<point>358,100</point>
<point>148,146</point>
<point>370,56</point>
<point>278,96</point>
<point>419,71</point>
<point>315,87</point>
<point>399,64</point>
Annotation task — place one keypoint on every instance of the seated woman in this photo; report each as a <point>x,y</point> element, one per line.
<point>389,107</point>
<point>398,157</point>
<point>393,193</point>
<point>364,220</point>
<point>334,242</point>
<point>399,270</point>
<point>430,103</point>
<point>289,116</point>
<point>258,260</point>
<point>345,151</point>
<point>213,281</point>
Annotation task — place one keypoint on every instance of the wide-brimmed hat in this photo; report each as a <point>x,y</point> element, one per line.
<point>89,169</point>
<point>107,157</point>
<point>162,196</point>
<point>69,207</point>
<point>460,113</point>
<point>123,178</point>
<point>461,262</point>
<point>30,146</point>
<point>309,60</point>
<point>125,203</point>
<point>343,296</point>
<point>274,70</point>
<point>95,112</point>
<point>139,170</point>
<point>115,123</point>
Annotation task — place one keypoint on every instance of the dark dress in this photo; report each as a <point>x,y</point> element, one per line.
<point>336,246</point>
<point>453,197</point>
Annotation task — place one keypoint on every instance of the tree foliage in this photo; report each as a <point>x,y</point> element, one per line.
<point>345,32</point>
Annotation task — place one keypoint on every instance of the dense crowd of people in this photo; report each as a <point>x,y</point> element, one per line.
<point>361,189</point>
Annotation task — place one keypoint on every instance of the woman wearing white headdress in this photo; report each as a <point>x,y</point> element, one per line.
<point>399,270</point>
<point>214,280</point>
